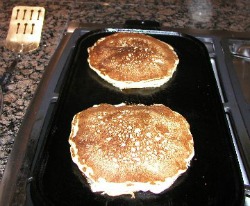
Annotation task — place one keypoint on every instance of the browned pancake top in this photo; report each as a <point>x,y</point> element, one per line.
<point>135,143</point>
<point>132,57</point>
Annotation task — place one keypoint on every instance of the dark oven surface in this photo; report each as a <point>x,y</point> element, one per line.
<point>213,177</point>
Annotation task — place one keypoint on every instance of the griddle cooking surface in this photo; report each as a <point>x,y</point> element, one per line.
<point>213,177</point>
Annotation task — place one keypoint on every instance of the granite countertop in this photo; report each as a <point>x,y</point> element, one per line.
<point>205,14</point>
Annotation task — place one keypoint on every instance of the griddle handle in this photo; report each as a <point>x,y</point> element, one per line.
<point>140,24</point>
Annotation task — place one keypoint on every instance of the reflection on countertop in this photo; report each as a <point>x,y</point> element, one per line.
<point>205,14</point>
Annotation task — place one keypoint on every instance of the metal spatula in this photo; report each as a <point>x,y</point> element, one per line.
<point>23,36</point>
<point>25,28</point>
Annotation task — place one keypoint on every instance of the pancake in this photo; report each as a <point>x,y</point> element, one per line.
<point>123,149</point>
<point>133,60</point>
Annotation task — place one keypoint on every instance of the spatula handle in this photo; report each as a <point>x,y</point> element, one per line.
<point>4,80</point>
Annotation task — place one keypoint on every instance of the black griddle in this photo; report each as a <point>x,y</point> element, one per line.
<point>213,177</point>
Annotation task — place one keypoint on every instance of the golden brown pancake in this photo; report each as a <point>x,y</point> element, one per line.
<point>123,149</point>
<point>133,60</point>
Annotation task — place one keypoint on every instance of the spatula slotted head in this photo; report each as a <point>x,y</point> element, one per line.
<point>25,28</point>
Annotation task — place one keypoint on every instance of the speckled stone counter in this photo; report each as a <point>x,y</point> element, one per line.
<point>205,14</point>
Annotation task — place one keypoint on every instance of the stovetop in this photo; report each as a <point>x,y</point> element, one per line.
<point>229,55</point>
